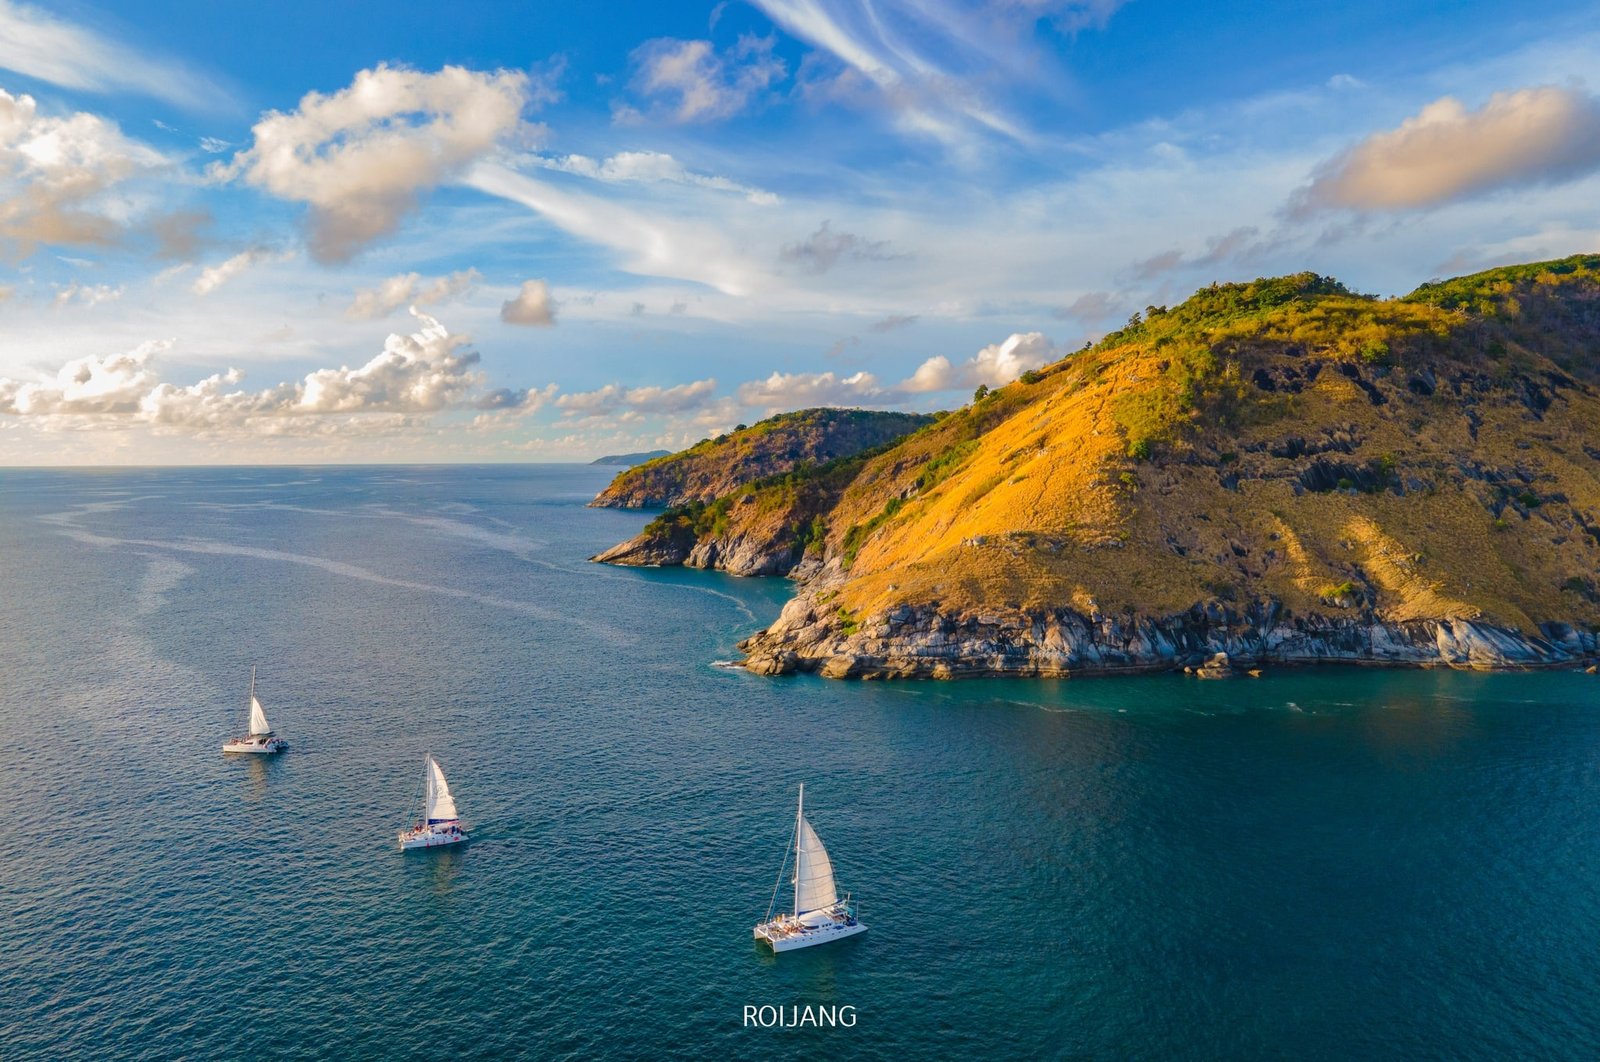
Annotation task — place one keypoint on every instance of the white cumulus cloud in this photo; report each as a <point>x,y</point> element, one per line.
<point>530,306</point>
<point>614,399</point>
<point>410,289</point>
<point>361,157</point>
<point>412,378</point>
<point>798,390</point>
<point>1447,152</point>
<point>113,383</point>
<point>693,82</point>
<point>55,173</point>
<point>994,366</point>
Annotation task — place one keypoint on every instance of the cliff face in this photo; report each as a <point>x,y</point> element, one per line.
<point>1281,471</point>
<point>716,467</point>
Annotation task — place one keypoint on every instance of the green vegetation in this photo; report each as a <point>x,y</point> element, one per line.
<point>944,464</point>
<point>859,533</point>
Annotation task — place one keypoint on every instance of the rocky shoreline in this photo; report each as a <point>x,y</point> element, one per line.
<point>913,642</point>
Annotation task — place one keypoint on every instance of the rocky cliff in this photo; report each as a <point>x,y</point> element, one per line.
<point>1281,471</point>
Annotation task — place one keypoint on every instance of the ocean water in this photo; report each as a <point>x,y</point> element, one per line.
<point>1318,864</point>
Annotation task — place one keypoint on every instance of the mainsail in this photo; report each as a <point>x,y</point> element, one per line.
<point>259,727</point>
<point>442,806</point>
<point>813,872</point>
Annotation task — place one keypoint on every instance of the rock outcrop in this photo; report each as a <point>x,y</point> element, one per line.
<point>925,642</point>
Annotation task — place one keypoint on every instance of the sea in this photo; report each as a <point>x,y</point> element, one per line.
<point>1315,864</point>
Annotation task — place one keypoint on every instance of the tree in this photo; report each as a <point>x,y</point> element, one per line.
<point>981,393</point>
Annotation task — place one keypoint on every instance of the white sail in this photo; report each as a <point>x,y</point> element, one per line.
<point>813,873</point>
<point>259,727</point>
<point>441,805</point>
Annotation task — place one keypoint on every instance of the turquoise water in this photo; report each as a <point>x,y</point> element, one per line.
<point>1319,864</point>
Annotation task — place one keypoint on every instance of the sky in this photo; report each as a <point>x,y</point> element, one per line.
<point>419,232</point>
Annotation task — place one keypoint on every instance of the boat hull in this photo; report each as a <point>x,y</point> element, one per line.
<point>255,747</point>
<point>412,839</point>
<point>785,936</point>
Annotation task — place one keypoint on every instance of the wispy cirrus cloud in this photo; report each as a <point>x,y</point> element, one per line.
<point>650,167</point>
<point>936,66</point>
<point>40,45</point>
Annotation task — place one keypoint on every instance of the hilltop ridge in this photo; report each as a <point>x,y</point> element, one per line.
<point>1282,470</point>
<point>714,467</point>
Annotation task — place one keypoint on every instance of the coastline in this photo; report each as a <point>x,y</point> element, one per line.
<point>924,643</point>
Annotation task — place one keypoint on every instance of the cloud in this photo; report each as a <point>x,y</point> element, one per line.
<point>413,377</point>
<point>651,167</point>
<point>652,245</point>
<point>1447,153</point>
<point>361,158</point>
<point>694,83</point>
<point>422,372</point>
<point>799,390</point>
<point>38,45</point>
<point>994,366</point>
<point>180,234</point>
<point>613,399</point>
<point>87,294</point>
<point>824,249</point>
<point>410,289</point>
<point>1090,307</point>
<point>1242,244</point>
<point>530,306</point>
<point>516,400</point>
<point>55,173</point>
<point>931,64</point>
<point>892,322</point>
<point>213,277</point>
<point>114,383</point>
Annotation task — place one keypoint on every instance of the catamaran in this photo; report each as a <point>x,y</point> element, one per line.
<point>439,825</point>
<point>819,914</point>
<point>260,738</point>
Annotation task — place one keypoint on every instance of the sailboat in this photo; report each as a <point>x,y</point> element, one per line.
<point>260,738</point>
<point>439,825</point>
<point>819,914</point>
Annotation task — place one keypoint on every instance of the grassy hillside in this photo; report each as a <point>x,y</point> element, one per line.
<point>1278,455</point>
<point>778,445</point>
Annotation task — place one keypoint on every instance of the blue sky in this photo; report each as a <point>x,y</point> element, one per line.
<point>351,232</point>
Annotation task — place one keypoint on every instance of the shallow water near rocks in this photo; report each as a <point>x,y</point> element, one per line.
<point>1317,864</point>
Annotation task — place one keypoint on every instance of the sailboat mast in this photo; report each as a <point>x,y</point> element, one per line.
<point>248,704</point>
<point>799,817</point>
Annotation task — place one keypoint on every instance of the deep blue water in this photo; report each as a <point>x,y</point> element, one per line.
<point>1318,864</point>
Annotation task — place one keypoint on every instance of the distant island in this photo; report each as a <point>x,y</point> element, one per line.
<point>1283,471</point>
<point>629,460</point>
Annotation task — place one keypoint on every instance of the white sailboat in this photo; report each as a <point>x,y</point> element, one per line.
<point>819,914</point>
<point>440,824</point>
<point>259,738</point>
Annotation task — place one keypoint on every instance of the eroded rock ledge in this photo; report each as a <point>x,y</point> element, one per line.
<point>923,642</point>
